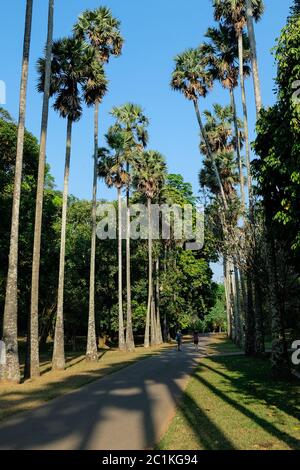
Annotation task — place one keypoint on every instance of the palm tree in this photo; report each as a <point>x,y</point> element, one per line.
<point>110,168</point>
<point>33,366</point>
<point>101,31</point>
<point>132,123</point>
<point>11,371</point>
<point>70,65</point>
<point>149,176</point>
<point>192,78</point>
<point>222,56</point>
<point>233,12</point>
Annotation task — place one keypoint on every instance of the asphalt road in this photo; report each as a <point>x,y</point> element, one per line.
<point>128,410</point>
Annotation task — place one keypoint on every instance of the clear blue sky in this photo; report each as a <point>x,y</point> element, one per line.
<point>154,31</point>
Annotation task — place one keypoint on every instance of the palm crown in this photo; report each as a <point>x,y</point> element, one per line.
<point>221,53</point>
<point>234,12</point>
<point>150,173</point>
<point>100,29</point>
<point>190,75</point>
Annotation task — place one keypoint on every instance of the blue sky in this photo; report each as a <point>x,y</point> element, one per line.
<point>154,31</point>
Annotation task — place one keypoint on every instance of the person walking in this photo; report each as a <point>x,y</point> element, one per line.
<point>178,339</point>
<point>196,340</point>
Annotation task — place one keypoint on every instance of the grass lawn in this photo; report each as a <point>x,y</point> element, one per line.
<point>233,403</point>
<point>33,393</point>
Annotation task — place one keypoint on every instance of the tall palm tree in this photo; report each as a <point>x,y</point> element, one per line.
<point>111,169</point>
<point>102,32</point>
<point>33,366</point>
<point>132,123</point>
<point>149,176</point>
<point>233,12</point>
<point>69,68</point>
<point>11,370</point>
<point>222,57</point>
<point>192,78</point>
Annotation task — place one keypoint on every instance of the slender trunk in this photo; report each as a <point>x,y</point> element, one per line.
<point>11,370</point>
<point>150,278</point>
<point>33,366</point>
<point>245,119</point>
<point>227,295</point>
<point>210,154</point>
<point>129,330</point>
<point>238,150</point>
<point>58,360</point>
<point>92,350</point>
<point>259,324</point>
<point>279,357</point>
<point>165,321</point>
<point>255,71</point>
<point>238,306</point>
<point>234,303</point>
<point>250,318</point>
<point>120,283</point>
<point>158,322</point>
<point>244,305</point>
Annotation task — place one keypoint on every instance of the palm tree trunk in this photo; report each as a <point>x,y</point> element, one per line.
<point>91,350</point>
<point>150,278</point>
<point>245,118</point>
<point>259,324</point>
<point>238,307</point>
<point>129,331</point>
<point>158,321</point>
<point>255,71</point>
<point>11,370</point>
<point>120,238</point>
<point>210,154</point>
<point>238,150</point>
<point>58,360</point>
<point>33,367</point>
<point>250,318</point>
<point>227,296</point>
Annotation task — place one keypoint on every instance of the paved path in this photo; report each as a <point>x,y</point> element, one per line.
<point>130,409</point>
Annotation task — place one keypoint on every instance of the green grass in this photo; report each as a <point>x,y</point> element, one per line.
<point>233,403</point>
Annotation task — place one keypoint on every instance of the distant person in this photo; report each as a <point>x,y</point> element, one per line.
<point>196,340</point>
<point>178,339</point>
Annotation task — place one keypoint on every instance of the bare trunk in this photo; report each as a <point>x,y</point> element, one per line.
<point>33,366</point>
<point>150,278</point>
<point>129,330</point>
<point>58,360</point>
<point>92,350</point>
<point>227,295</point>
<point>238,322</point>
<point>158,322</point>
<point>255,71</point>
<point>245,119</point>
<point>238,150</point>
<point>250,319</point>
<point>11,370</point>
<point>120,283</point>
<point>210,154</point>
<point>259,324</point>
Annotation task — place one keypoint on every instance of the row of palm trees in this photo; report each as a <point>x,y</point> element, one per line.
<point>72,73</point>
<point>228,55</point>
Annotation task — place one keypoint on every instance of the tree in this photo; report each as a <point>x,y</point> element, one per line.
<point>102,31</point>
<point>277,172</point>
<point>222,56</point>
<point>111,169</point>
<point>69,71</point>
<point>33,367</point>
<point>192,78</point>
<point>132,124</point>
<point>11,371</point>
<point>149,176</point>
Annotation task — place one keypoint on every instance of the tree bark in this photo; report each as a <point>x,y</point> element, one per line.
<point>58,360</point>
<point>259,324</point>
<point>33,366</point>
<point>255,70</point>
<point>250,319</point>
<point>245,119</point>
<point>122,346</point>
<point>11,370</point>
<point>238,150</point>
<point>210,154</point>
<point>158,321</point>
<point>92,350</point>
<point>227,295</point>
<point>129,330</point>
<point>150,278</point>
